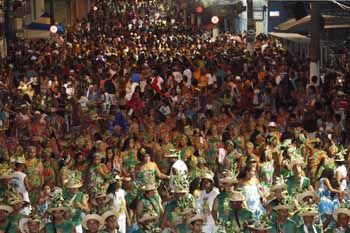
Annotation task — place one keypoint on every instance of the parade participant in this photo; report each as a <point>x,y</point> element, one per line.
<point>297,182</point>
<point>31,224</point>
<point>117,194</point>
<point>251,188</point>
<point>34,170</point>
<point>5,223</point>
<point>20,180</point>
<point>308,214</point>
<point>340,169</point>
<point>92,223</point>
<point>100,202</point>
<point>149,202</point>
<point>196,223</point>
<point>283,223</point>
<point>261,225</point>
<point>341,215</point>
<point>110,219</point>
<point>148,223</point>
<point>221,207</point>
<point>77,199</point>
<point>58,211</point>
<point>205,201</point>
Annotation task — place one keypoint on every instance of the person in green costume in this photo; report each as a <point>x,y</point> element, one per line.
<point>100,201</point>
<point>214,140</point>
<point>92,223</point>
<point>110,219</point>
<point>221,207</point>
<point>15,200</point>
<point>32,224</point>
<point>77,199</point>
<point>196,223</point>
<point>129,156</point>
<point>150,202</point>
<point>308,214</point>
<point>297,182</point>
<point>5,223</point>
<point>148,223</point>
<point>342,217</point>
<point>239,216</point>
<point>148,171</point>
<point>282,223</point>
<point>59,221</point>
<point>261,225</point>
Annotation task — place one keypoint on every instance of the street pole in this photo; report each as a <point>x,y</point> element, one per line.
<point>52,13</point>
<point>250,26</point>
<point>315,40</point>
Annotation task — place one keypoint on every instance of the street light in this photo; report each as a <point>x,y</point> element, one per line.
<point>53,29</point>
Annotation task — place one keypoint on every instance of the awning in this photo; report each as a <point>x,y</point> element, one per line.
<point>295,37</point>
<point>302,25</point>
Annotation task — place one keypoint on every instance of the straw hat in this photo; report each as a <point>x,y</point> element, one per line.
<point>285,203</point>
<point>148,217</point>
<point>20,159</point>
<point>108,214</point>
<point>5,172</point>
<point>308,210</point>
<point>7,208</point>
<point>208,176</point>
<point>236,196</point>
<point>279,184</point>
<point>230,176</point>
<point>341,210</point>
<point>149,187</point>
<point>172,154</point>
<point>98,192</point>
<point>301,196</point>
<point>95,217</point>
<point>262,224</point>
<point>57,203</point>
<point>74,179</point>
<point>181,183</point>
<point>197,217</point>
<point>23,223</point>
<point>340,154</point>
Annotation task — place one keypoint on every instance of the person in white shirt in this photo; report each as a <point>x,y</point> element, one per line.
<point>20,181</point>
<point>117,194</point>
<point>206,200</point>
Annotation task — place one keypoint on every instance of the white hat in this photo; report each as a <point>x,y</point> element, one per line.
<point>272,124</point>
<point>338,211</point>
<point>197,217</point>
<point>95,217</point>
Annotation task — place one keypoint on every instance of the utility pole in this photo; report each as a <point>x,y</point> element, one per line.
<point>315,40</point>
<point>52,13</point>
<point>250,27</point>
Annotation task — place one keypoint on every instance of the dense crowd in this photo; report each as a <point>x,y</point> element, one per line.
<point>135,122</point>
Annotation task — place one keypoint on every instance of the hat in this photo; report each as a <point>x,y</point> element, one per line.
<point>262,223</point>
<point>148,217</point>
<point>308,210</point>
<point>74,179</point>
<point>285,203</point>
<point>236,196</point>
<point>56,203</point>
<point>108,214</point>
<point>341,210</point>
<point>208,176</point>
<point>99,191</point>
<point>301,196</point>
<point>149,187</point>
<point>181,183</point>
<point>7,208</point>
<point>173,154</point>
<point>23,223</point>
<point>279,184</point>
<point>296,158</point>
<point>196,217</point>
<point>340,154</point>
<point>20,159</point>
<point>230,176</point>
<point>5,171</point>
<point>95,217</point>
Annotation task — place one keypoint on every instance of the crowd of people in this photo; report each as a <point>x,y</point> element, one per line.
<point>134,122</point>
